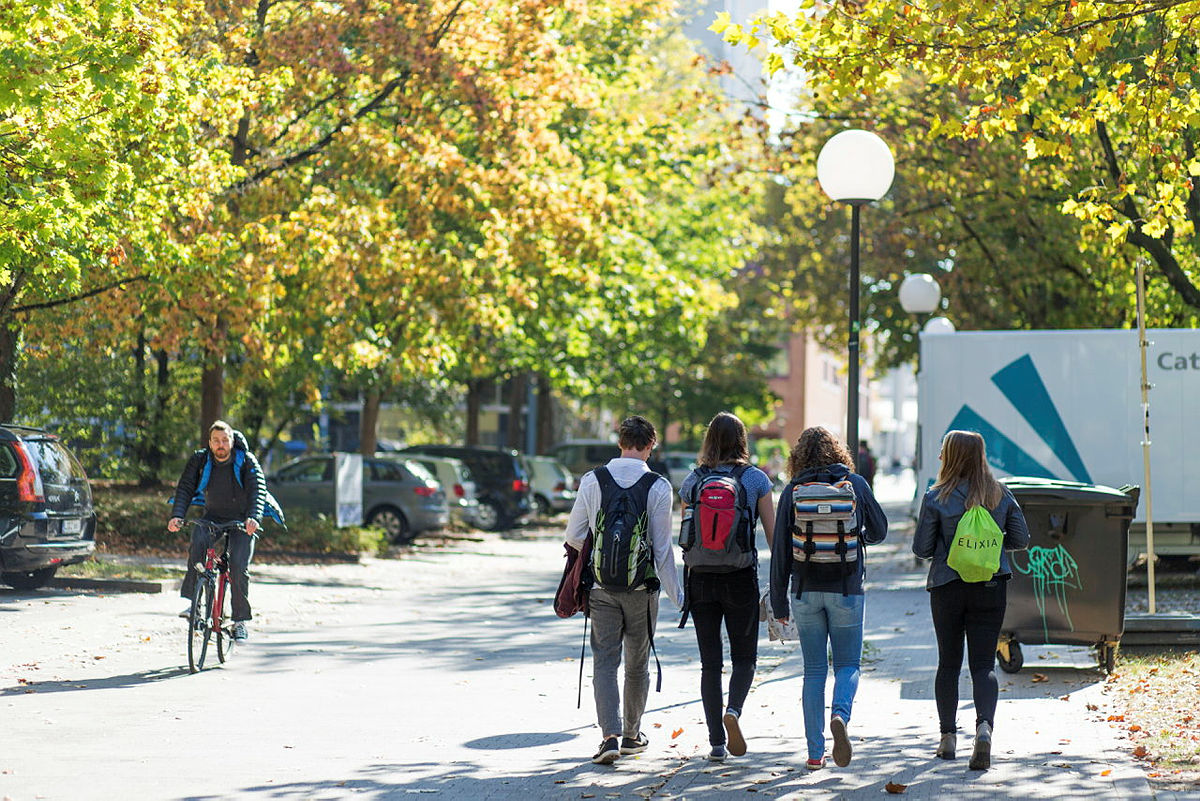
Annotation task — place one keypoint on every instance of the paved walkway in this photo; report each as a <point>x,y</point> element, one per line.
<point>1051,740</point>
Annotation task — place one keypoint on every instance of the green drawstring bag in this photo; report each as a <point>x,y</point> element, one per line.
<point>975,549</point>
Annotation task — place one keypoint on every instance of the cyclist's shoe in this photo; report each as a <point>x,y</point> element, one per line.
<point>238,632</point>
<point>186,613</point>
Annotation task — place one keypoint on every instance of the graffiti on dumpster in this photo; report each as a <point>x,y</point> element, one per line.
<point>1053,571</point>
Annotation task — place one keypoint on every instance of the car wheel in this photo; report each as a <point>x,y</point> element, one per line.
<point>392,521</point>
<point>29,579</point>
<point>543,506</point>
<point>490,516</point>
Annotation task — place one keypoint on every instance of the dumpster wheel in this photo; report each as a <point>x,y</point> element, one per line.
<point>1008,654</point>
<point>1106,653</point>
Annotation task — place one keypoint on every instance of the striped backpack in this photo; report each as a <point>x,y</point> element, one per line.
<point>826,528</point>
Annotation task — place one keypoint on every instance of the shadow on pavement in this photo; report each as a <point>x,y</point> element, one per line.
<point>105,683</point>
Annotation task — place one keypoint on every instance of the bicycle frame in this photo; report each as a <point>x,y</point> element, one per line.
<point>216,568</point>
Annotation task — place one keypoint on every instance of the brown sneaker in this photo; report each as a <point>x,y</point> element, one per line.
<point>842,750</point>
<point>733,734</point>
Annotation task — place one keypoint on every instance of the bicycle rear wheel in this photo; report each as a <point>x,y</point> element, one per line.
<point>225,641</point>
<point>199,624</point>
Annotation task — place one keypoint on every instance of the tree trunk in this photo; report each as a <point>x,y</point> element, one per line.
<point>516,420</point>
<point>474,402</point>
<point>369,423</point>
<point>10,334</point>
<point>212,391</point>
<point>545,417</point>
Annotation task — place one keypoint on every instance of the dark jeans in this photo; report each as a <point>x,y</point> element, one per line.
<point>241,551</point>
<point>734,598</point>
<point>976,612</point>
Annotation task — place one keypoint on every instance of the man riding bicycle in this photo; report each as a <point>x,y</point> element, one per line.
<point>226,479</point>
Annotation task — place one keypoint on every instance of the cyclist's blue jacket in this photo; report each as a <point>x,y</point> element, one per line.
<point>246,470</point>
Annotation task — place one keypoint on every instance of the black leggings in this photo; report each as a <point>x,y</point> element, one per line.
<point>976,611</point>
<point>734,598</point>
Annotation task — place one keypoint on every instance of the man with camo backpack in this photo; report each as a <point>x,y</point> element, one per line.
<point>625,508</point>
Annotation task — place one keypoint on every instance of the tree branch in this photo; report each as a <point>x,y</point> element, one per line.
<point>386,91</point>
<point>49,304</point>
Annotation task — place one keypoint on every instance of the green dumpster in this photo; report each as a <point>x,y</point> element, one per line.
<point>1068,587</point>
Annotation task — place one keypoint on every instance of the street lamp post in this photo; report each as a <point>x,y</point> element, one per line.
<point>854,167</point>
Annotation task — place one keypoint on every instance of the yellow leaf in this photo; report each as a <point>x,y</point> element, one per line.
<point>722,22</point>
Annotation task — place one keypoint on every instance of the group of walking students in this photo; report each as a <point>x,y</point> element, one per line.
<point>621,544</point>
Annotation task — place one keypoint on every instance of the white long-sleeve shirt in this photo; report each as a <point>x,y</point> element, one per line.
<point>626,472</point>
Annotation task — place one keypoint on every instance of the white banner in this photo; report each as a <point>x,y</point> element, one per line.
<point>347,489</point>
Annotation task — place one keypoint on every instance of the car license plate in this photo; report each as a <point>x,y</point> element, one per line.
<point>73,526</point>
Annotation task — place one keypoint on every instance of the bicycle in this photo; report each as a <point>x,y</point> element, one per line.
<point>211,600</point>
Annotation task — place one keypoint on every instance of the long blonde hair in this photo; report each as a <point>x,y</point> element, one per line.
<point>965,459</point>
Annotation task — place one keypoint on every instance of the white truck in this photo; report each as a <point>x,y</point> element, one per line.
<point>1067,405</point>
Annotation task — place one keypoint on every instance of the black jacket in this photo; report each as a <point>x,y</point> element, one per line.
<point>247,471</point>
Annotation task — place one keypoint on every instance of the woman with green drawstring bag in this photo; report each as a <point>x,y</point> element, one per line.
<point>968,523</point>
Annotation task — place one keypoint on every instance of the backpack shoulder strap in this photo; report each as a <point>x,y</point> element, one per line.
<point>605,479</point>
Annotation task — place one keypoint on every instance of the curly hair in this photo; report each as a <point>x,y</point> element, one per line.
<point>816,447</point>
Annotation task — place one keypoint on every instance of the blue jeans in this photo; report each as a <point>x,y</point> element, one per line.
<point>828,622</point>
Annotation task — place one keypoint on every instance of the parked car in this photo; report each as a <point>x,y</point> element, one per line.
<point>679,464</point>
<point>457,482</point>
<point>399,496</point>
<point>553,485</point>
<point>582,455</point>
<point>501,483</point>
<point>45,507</point>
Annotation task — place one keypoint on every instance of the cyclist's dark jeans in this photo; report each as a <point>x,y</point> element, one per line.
<point>734,598</point>
<point>241,551</point>
<point>974,612</point>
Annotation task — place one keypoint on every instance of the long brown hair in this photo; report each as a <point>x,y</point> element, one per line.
<point>964,458</point>
<point>724,442</point>
<point>816,447</point>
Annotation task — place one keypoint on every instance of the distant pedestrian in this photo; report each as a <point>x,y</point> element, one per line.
<point>721,572</point>
<point>825,572</point>
<point>865,463</point>
<point>960,609</point>
<point>626,509</point>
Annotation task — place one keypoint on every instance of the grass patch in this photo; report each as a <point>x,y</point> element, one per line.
<point>1156,697</point>
<point>104,569</point>
<point>133,520</point>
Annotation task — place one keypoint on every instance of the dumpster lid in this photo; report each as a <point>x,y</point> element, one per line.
<point>1034,485</point>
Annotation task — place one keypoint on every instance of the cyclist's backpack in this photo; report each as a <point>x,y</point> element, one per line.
<point>717,535</point>
<point>975,550</point>
<point>825,532</point>
<point>622,557</point>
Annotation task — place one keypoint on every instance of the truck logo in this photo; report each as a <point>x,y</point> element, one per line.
<point>1022,385</point>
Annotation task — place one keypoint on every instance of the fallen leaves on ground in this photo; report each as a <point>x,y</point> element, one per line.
<point>1154,700</point>
<point>894,788</point>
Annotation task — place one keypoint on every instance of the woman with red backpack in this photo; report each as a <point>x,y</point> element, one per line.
<point>724,497</point>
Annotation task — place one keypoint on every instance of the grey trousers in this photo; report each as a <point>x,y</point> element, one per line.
<point>621,622</point>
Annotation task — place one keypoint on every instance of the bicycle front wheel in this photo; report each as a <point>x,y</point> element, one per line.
<point>225,639</point>
<point>199,624</point>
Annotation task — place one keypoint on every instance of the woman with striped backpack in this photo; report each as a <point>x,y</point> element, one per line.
<point>827,514</point>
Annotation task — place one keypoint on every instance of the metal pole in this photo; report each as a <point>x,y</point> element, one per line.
<point>1142,345</point>
<point>852,350</point>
